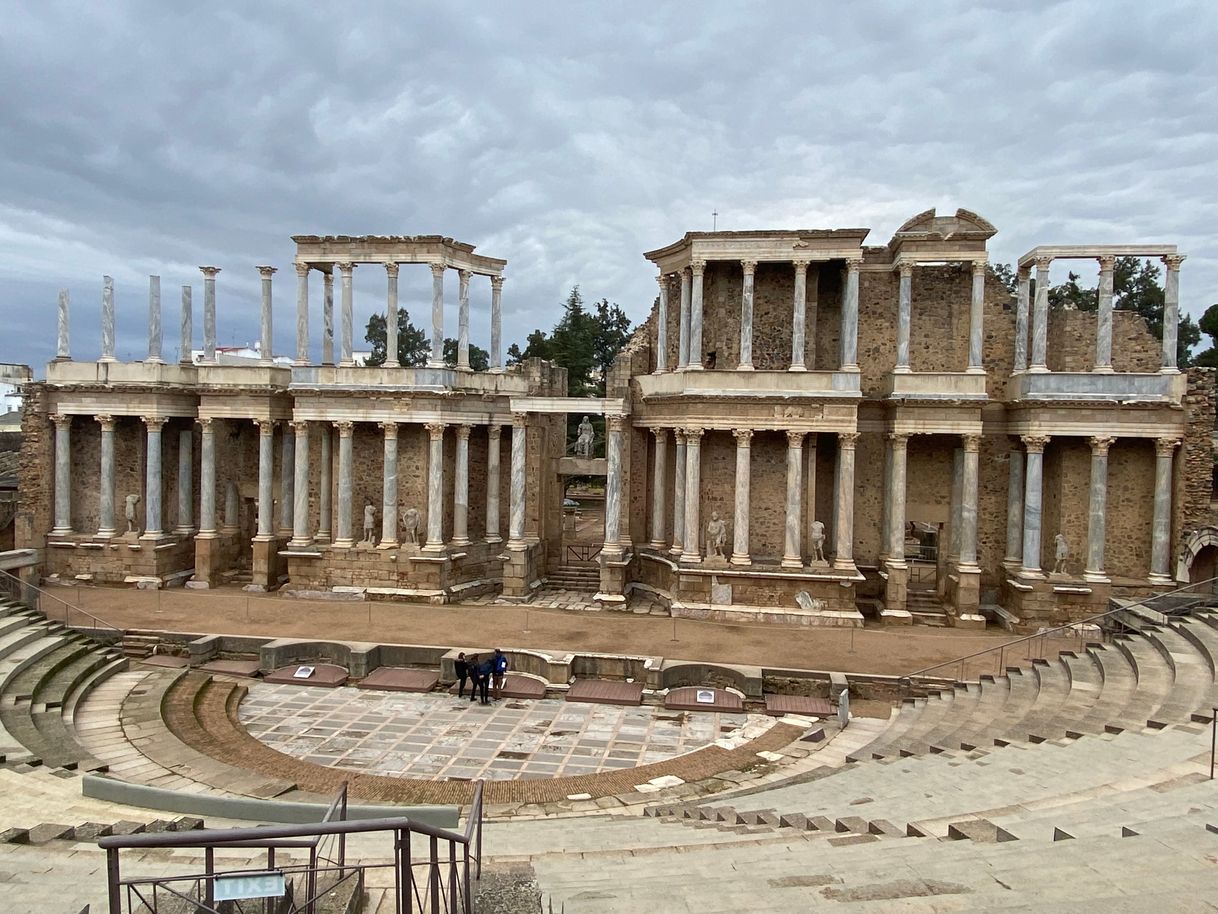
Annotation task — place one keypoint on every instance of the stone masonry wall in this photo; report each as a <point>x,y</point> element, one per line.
<point>35,504</point>
<point>1193,496</point>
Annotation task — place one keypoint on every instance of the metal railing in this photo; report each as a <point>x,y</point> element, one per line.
<point>436,882</point>
<point>54,608</point>
<point>1074,634</point>
<point>581,552</point>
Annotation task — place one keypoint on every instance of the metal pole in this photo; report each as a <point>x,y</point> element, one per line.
<point>674,628</point>
<point>1213,740</point>
<point>433,873</point>
<point>209,892</point>
<point>452,876</point>
<point>525,630</point>
<point>852,639</point>
<point>115,891</point>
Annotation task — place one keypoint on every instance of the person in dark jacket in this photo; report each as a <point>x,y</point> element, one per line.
<point>486,669</point>
<point>473,667</point>
<point>500,663</point>
<point>461,667</point>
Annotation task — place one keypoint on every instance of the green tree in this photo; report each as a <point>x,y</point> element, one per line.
<point>1072,296</point>
<point>1006,276</point>
<point>413,345</point>
<point>611,332</point>
<point>1209,326</point>
<point>479,358</point>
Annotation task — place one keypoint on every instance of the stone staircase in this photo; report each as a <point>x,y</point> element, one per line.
<point>579,578</point>
<point>926,609</point>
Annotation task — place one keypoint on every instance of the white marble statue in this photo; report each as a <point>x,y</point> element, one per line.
<point>843,708</point>
<point>818,541</point>
<point>1061,552</point>
<point>716,536</point>
<point>583,444</point>
<point>410,524</point>
<point>369,524</point>
<point>129,504</point>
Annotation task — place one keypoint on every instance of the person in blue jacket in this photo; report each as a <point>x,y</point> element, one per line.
<point>500,664</point>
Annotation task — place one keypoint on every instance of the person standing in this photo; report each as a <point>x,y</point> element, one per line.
<point>461,667</point>
<point>485,670</point>
<point>474,667</point>
<point>500,667</point>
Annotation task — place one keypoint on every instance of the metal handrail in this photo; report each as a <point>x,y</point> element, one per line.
<point>71,607</point>
<point>1007,645</point>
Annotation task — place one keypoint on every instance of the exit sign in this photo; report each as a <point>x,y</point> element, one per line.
<point>249,885</point>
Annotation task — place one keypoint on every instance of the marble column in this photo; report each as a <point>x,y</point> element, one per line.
<point>1171,309</point>
<point>811,309</point>
<point>843,527</point>
<point>265,348</point>
<point>437,316</point>
<point>792,556</point>
<point>741,508</point>
<point>496,358</point>
<point>342,532</point>
<point>976,318</point>
<point>661,355</point>
<point>494,434</point>
<point>209,313</point>
<point>207,478</point>
<point>463,277</point>
<point>749,267</point>
<point>659,472</point>
<point>1014,509</point>
<point>886,501</point>
<point>435,488</point>
<point>389,486</point>
<point>898,445</point>
<point>1097,509</point>
<point>613,486</point>
<point>697,272</point>
<point>810,485</point>
<point>63,475</point>
<point>904,313</point>
<point>683,323</point>
<point>1040,316</point>
<point>850,317</point>
<point>968,502</point>
<point>1160,527</point>
<point>107,320</point>
<point>346,358</point>
<point>1103,322</point>
<point>957,500</point>
<point>516,493</point>
<point>232,507</point>
<point>153,482</point>
<point>105,491</point>
<point>1034,445</point>
<point>63,351</point>
<point>692,545</point>
<point>300,487</point>
<point>325,485</point>
<point>391,322</point>
<point>287,487</point>
<point>799,308</point>
<point>154,319</point>
<point>1021,320</point>
<point>327,317</point>
<point>461,489</point>
<point>186,483</point>
<point>266,475</point>
<point>302,314</point>
<point>678,494</point>
<point>188,327</point>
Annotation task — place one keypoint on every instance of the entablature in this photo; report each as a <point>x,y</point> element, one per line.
<point>809,417</point>
<point>935,385</point>
<point>810,245</point>
<point>781,385</point>
<point>1167,386</point>
<point>151,403</point>
<point>322,252</point>
<point>408,380</point>
<point>1093,252</point>
<point>1088,419</point>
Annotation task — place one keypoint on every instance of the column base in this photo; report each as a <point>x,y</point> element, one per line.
<point>660,371</point>
<point>1096,577</point>
<point>494,538</point>
<point>902,369</point>
<point>1038,369</point>
<point>299,544</point>
<point>1011,563</point>
<point>1103,369</point>
<point>346,543</point>
<point>185,530</point>
<point>1033,574</point>
<point>657,545</point>
<point>433,548</point>
<point>388,544</point>
<point>107,533</point>
<point>300,363</point>
<point>740,558</point>
<point>1160,578</point>
<point>676,549</point>
<point>433,363</point>
<point>1172,370</point>
<point>692,367</point>
<point>974,369</point>
<point>846,565</point>
<point>797,368</point>
<point>460,541</point>
<point>207,535</point>
<point>517,545</point>
<point>745,368</point>
<point>60,531</point>
<point>614,552</point>
<point>792,561</point>
<point>258,537</point>
<point>691,558</point>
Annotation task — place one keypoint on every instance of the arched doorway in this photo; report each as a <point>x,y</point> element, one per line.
<point>1198,560</point>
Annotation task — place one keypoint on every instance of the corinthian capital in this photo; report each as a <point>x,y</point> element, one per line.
<point>1034,444</point>
<point>1165,447</point>
<point>1100,445</point>
<point>1173,261</point>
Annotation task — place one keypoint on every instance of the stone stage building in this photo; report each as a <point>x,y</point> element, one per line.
<point>804,428</point>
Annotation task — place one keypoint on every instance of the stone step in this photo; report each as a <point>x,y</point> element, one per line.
<point>1192,680</point>
<point>1155,680</point>
<point>1118,682</point>
<point>990,705</point>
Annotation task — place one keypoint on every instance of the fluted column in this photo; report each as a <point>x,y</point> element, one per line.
<point>346,357</point>
<point>327,317</point>
<point>187,326</point>
<point>799,309</point>
<point>63,351</point>
<point>697,271</point>
<point>300,488</point>
<point>746,315</point>
<point>1171,309</point>
<point>435,488</point>
<point>461,489</point>
<point>325,485</point>
<point>898,446</point>
<point>389,486</point>
<point>107,320</point>
<point>207,478</point>
<point>266,468</point>
<point>740,513</point>
<point>496,359</point>
<point>613,486</point>
<point>302,314</point>
<point>516,494</point>
<point>1040,316</point>
<point>850,317</point>
<point>63,475</point>
<point>692,545</point>
<point>153,482</point>
<point>342,532</point>
<point>154,319</point>
<point>437,316</point>
<point>186,487</point>
<point>678,494</point>
<point>968,502</point>
<point>1034,445</point>
<point>1160,527</point>
<point>659,471</point>
<point>904,315</point>
<point>209,313</point>
<point>1014,553</point>
<point>493,438</point>
<point>683,323</point>
<point>265,353</point>
<point>391,322</point>
<point>105,493</point>
<point>661,357</point>
<point>811,310</point>
<point>792,557</point>
<point>976,318</point>
<point>1097,509</point>
<point>810,487</point>
<point>843,527</point>
<point>287,487</point>
<point>463,277</point>
<point>1103,322</point>
<point>1021,321</point>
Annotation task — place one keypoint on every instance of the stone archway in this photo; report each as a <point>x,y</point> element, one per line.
<point>1198,558</point>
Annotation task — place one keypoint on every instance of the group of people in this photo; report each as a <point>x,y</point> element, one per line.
<point>482,674</point>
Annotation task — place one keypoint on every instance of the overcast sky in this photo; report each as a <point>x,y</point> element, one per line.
<point>568,138</point>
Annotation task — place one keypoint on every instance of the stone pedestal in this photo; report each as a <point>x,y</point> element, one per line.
<point>266,566</point>
<point>896,588</point>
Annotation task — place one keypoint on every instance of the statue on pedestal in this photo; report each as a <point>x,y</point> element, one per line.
<point>410,526</point>
<point>129,504</point>
<point>716,536</point>
<point>817,540</point>
<point>1061,552</point>
<point>583,444</point>
<point>369,525</point>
